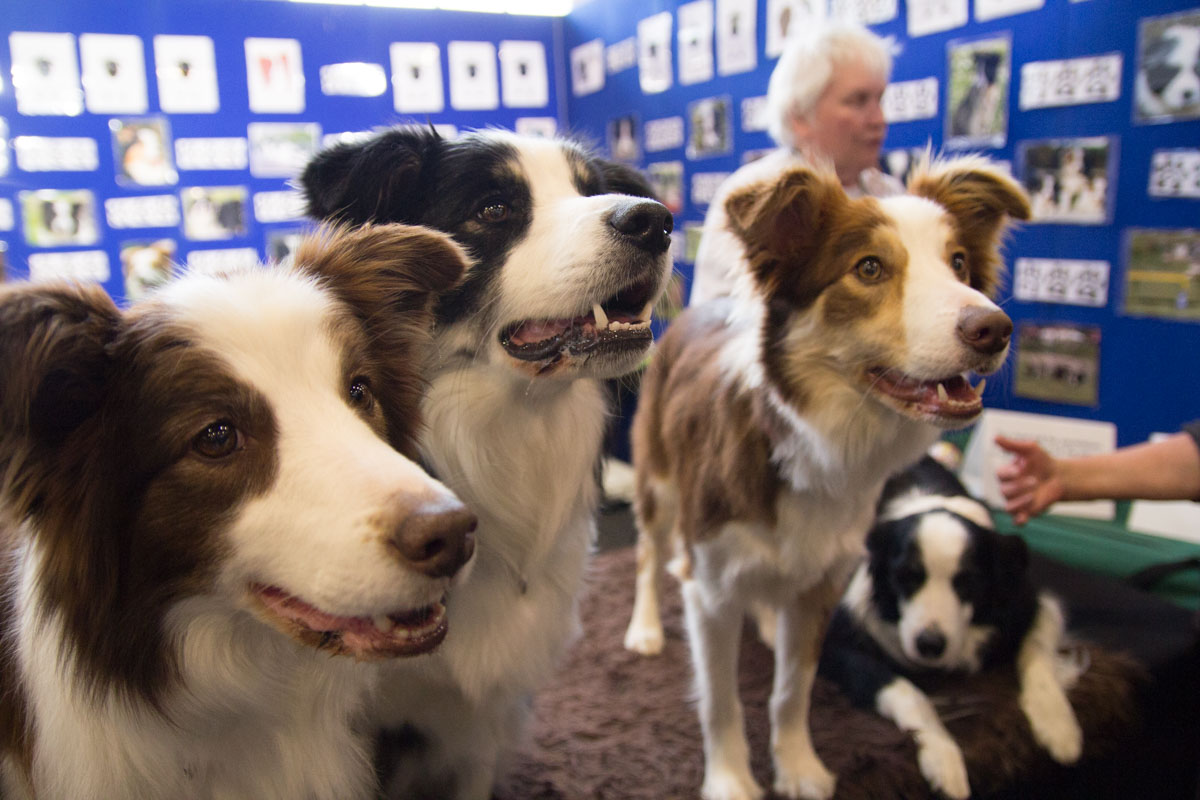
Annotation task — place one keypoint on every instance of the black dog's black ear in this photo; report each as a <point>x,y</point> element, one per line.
<point>54,370</point>
<point>370,181</point>
<point>1008,557</point>
<point>624,179</point>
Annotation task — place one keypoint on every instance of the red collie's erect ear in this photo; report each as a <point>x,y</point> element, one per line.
<point>778,221</point>
<point>983,200</point>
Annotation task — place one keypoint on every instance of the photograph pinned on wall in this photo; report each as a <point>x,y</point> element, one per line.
<point>980,71</point>
<point>474,80</point>
<point>1175,173</point>
<point>737,43</point>
<point>692,233</point>
<point>905,101</point>
<point>1069,281</point>
<point>281,149</point>
<point>654,53</point>
<point>934,16</point>
<point>353,79</point>
<point>55,217</point>
<point>142,149</point>
<point>587,68</point>
<point>994,9</point>
<point>624,138</point>
<point>282,243</point>
<point>1058,362</point>
<point>114,73</point>
<point>664,134</point>
<point>1068,179</point>
<point>695,42</point>
<point>710,128</point>
<point>146,265</point>
<point>1167,86</point>
<point>540,127</point>
<point>274,76</point>
<point>1162,273</point>
<point>666,179</point>
<point>212,213</point>
<point>45,74</point>
<point>790,15</point>
<point>186,68</point>
<point>524,82</point>
<point>864,12</point>
<point>4,157</point>
<point>417,77</point>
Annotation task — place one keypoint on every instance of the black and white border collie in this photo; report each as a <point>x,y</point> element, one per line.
<point>768,423</point>
<point>210,514</point>
<point>942,592</point>
<point>1168,78</point>
<point>569,256</point>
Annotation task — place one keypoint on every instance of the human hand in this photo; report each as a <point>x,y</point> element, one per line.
<point>1031,482</point>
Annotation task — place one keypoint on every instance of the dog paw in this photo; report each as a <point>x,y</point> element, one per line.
<point>942,764</point>
<point>727,784</point>
<point>1053,722</point>
<point>644,639</point>
<point>811,781</point>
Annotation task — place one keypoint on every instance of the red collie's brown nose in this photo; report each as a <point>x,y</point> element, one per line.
<point>984,329</point>
<point>437,538</point>
<point>645,223</point>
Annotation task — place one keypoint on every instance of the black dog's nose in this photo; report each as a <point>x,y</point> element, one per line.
<point>931,643</point>
<point>437,538</point>
<point>645,223</point>
<point>986,330</point>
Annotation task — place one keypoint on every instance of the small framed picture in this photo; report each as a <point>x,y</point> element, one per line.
<point>710,127</point>
<point>1068,179</point>
<point>146,265</point>
<point>980,72</point>
<point>142,149</point>
<point>1167,86</point>
<point>55,217</point>
<point>214,212</point>
<point>1059,362</point>
<point>624,138</point>
<point>1162,273</point>
<point>666,178</point>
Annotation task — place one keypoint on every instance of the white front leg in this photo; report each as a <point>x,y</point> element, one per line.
<point>1043,699</point>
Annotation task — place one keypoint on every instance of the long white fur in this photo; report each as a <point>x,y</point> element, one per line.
<point>255,714</point>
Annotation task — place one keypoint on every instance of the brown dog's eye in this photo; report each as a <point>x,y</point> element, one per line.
<point>218,440</point>
<point>360,393</point>
<point>493,212</point>
<point>958,262</point>
<point>869,269</point>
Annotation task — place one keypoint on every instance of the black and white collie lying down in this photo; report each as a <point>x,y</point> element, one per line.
<point>941,592</point>
<point>568,258</point>
<point>210,515</point>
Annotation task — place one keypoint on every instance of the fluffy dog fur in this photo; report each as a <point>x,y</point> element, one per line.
<point>205,499</point>
<point>767,426</point>
<point>569,257</point>
<point>942,592</point>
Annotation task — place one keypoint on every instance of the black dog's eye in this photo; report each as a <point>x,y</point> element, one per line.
<point>964,585</point>
<point>493,212</point>
<point>869,269</point>
<point>218,440</point>
<point>958,262</point>
<point>360,393</point>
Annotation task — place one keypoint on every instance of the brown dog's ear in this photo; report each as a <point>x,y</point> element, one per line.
<point>54,374</point>
<point>983,200</point>
<point>778,221</point>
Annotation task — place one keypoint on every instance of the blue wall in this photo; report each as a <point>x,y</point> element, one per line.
<point>1148,379</point>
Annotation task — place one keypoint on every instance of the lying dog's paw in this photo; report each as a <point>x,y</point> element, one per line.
<point>1052,719</point>
<point>942,765</point>
<point>643,638</point>
<point>808,780</point>
<point>729,784</point>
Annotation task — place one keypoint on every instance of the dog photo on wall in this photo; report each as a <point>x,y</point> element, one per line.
<point>1068,179</point>
<point>1059,362</point>
<point>1162,273</point>
<point>55,217</point>
<point>142,149</point>
<point>709,127</point>
<point>624,139</point>
<point>1168,73</point>
<point>980,72</point>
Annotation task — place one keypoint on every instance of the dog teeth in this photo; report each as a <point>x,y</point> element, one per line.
<point>383,623</point>
<point>979,388</point>
<point>601,317</point>
<point>941,392</point>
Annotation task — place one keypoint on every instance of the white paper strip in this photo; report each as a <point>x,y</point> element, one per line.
<point>212,153</point>
<point>281,206</point>
<point>933,16</point>
<point>1076,282</point>
<point>353,79</point>
<point>705,185</point>
<point>904,101</point>
<point>1075,81</point>
<point>1175,173</point>
<point>993,9</point>
<point>620,56</point>
<point>663,134</point>
<point>56,154</point>
<point>83,265</point>
<point>147,211</point>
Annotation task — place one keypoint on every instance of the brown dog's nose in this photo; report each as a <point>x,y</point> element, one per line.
<point>437,538</point>
<point>986,330</point>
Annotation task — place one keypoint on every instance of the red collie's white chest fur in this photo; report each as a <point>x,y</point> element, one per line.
<point>210,515</point>
<point>768,424</point>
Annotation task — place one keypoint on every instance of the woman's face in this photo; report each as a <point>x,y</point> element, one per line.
<point>847,124</point>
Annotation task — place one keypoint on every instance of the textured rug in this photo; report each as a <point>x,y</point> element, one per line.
<point>616,726</point>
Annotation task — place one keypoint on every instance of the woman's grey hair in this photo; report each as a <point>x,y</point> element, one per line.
<point>806,66</point>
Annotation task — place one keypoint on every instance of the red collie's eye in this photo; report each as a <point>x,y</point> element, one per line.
<point>493,212</point>
<point>869,269</point>
<point>217,440</point>
<point>360,393</point>
<point>959,263</point>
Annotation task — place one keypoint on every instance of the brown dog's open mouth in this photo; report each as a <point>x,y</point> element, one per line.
<point>405,633</point>
<point>951,398</point>
<point>621,322</point>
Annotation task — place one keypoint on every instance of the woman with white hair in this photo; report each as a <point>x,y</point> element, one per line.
<point>823,104</point>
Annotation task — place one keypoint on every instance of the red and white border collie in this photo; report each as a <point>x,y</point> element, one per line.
<point>204,499</point>
<point>768,425</point>
<point>569,255</point>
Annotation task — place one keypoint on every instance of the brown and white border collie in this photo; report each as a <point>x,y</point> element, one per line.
<point>209,515</point>
<point>768,425</point>
<point>569,255</point>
